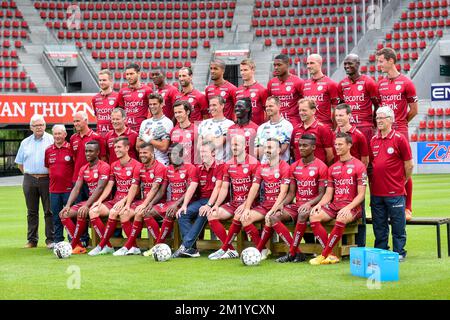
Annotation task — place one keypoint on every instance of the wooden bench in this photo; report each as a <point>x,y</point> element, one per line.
<point>426,221</point>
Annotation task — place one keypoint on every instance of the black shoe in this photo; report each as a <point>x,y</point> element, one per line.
<point>178,253</point>
<point>300,257</point>
<point>191,253</point>
<point>286,258</point>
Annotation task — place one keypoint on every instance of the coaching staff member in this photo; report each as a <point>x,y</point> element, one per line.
<point>392,167</point>
<point>30,159</point>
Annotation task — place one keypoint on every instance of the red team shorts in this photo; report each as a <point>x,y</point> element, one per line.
<point>292,210</point>
<point>231,207</point>
<point>263,208</point>
<point>136,203</point>
<point>161,208</point>
<point>110,203</point>
<point>332,210</point>
<point>77,206</point>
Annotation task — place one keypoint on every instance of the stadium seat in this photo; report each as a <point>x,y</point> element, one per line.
<point>431,112</point>
<point>440,136</point>
<point>439,124</point>
<point>431,137</point>
<point>447,124</point>
<point>422,124</point>
<point>431,124</point>
<point>414,137</point>
<point>439,112</point>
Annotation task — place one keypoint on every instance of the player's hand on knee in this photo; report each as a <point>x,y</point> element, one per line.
<point>245,215</point>
<point>83,212</point>
<point>181,211</point>
<point>239,210</point>
<point>315,210</point>
<point>345,214</point>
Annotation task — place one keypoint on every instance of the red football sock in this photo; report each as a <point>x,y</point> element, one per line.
<point>137,228</point>
<point>265,236</point>
<point>235,228</point>
<point>218,230</point>
<point>300,229</point>
<point>409,192</point>
<point>320,233</point>
<point>110,227</point>
<point>253,233</point>
<point>70,226</point>
<point>283,232</point>
<point>166,228</point>
<point>152,227</point>
<point>335,236</point>
<point>99,228</point>
<point>79,230</point>
<point>127,228</point>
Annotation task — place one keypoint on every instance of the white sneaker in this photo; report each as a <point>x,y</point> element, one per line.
<point>106,250</point>
<point>216,255</point>
<point>230,254</point>
<point>121,252</point>
<point>95,251</point>
<point>134,251</point>
<point>149,253</point>
<point>265,253</point>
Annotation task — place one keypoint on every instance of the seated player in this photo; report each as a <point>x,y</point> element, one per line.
<point>308,182</point>
<point>95,174</point>
<point>152,175</point>
<point>346,188</point>
<point>275,175</point>
<point>125,175</point>
<point>239,171</point>
<point>182,178</point>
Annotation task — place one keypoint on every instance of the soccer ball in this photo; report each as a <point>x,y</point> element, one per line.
<point>251,256</point>
<point>62,250</point>
<point>162,252</point>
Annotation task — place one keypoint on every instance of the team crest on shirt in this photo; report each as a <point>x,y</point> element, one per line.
<point>190,100</point>
<point>182,176</point>
<point>67,158</point>
<point>245,170</point>
<point>213,179</point>
<point>288,88</point>
<point>140,95</point>
<point>390,150</point>
<point>95,175</point>
<point>276,175</point>
<point>349,171</point>
<point>320,88</point>
<point>152,175</point>
<point>111,102</point>
<point>252,94</point>
<point>360,88</point>
<point>247,133</point>
<point>128,173</point>
<point>188,135</point>
<point>163,94</point>
<point>312,173</point>
<point>398,87</point>
<point>223,93</point>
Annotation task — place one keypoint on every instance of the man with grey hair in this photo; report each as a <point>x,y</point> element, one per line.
<point>392,167</point>
<point>30,160</point>
<point>59,161</point>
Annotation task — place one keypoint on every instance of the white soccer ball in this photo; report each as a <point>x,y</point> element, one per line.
<point>162,252</point>
<point>62,250</point>
<point>251,256</point>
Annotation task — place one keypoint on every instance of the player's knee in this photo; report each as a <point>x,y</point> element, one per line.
<point>273,220</point>
<point>302,217</point>
<point>315,218</point>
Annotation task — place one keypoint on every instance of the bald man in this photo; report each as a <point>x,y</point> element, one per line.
<point>322,90</point>
<point>360,93</point>
<point>221,87</point>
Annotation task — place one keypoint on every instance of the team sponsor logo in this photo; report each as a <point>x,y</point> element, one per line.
<point>390,150</point>
<point>133,180</point>
<point>67,158</point>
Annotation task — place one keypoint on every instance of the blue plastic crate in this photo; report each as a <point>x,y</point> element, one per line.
<point>382,265</point>
<point>357,261</point>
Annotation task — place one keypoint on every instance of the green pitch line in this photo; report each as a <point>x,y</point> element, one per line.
<point>37,274</point>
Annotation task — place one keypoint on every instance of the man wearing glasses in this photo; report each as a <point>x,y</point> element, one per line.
<point>30,159</point>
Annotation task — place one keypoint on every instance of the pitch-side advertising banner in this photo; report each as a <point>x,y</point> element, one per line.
<point>433,152</point>
<point>56,109</point>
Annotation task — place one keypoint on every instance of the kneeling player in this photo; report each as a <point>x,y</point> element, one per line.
<point>239,171</point>
<point>125,175</point>
<point>346,188</point>
<point>95,174</point>
<point>152,175</point>
<point>308,182</point>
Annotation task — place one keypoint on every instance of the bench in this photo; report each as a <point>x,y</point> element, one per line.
<point>426,221</point>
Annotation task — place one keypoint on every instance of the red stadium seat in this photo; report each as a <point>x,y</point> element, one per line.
<point>431,137</point>
<point>440,137</point>
<point>431,124</point>
<point>414,137</point>
<point>447,124</point>
<point>431,111</point>
<point>440,124</point>
<point>422,137</point>
<point>422,124</point>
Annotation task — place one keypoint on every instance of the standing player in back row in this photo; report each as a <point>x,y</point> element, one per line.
<point>254,90</point>
<point>188,93</point>
<point>287,88</point>
<point>104,102</point>
<point>221,87</point>
<point>322,90</point>
<point>397,92</point>
<point>167,91</point>
<point>134,97</point>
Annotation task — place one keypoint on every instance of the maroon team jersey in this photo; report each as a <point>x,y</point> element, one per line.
<point>359,96</point>
<point>388,160</point>
<point>180,178</point>
<point>258,94</point>
<point>185,137</point>
<point>92,175</point>
<point>78,142</point>
<point>324,139</point>
<point>59,162</point>
<point>169,93</point>
<point>103,105</point>
<point>308,178</point>
<point>150,175</point>
<point>345,177</point>
<point>208,179</point>
<point>198,102</point>
<point>396,94</point>
<point>135,103</point>
<point>248,131</point>
<point>273,178</point>
<point>124,176</point>
<point>360,147</point>
<point>112,135</point>
<point>324,92</point>
<point>289,92</point>
<point>240,175</point>
<point>228,92</point>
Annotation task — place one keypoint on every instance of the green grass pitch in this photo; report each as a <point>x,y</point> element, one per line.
<point>37,274</point>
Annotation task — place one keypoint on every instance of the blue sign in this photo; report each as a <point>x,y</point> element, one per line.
<point>440,92</point>
<point>437,152</point>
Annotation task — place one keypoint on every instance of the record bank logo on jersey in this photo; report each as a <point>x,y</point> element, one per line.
<point>433,152</point>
